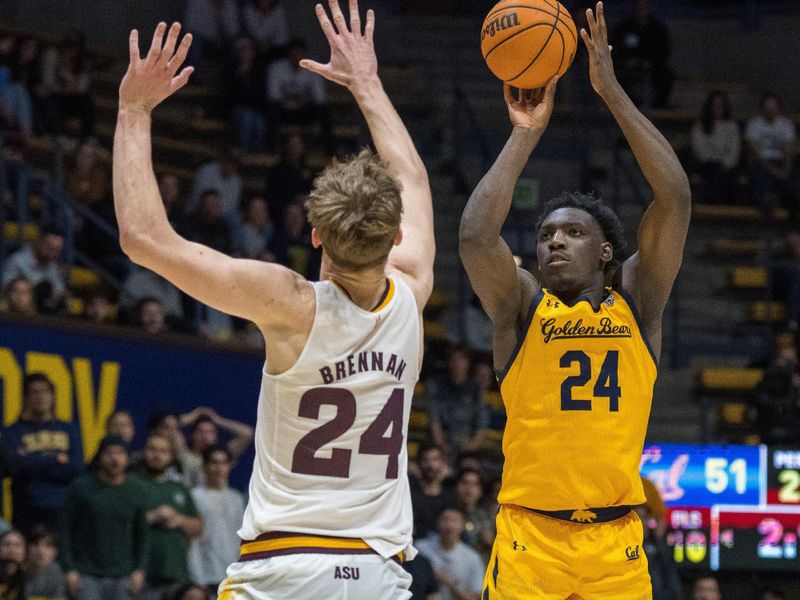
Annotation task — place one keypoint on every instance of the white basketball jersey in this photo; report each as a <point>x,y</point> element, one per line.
<point>331,433</point>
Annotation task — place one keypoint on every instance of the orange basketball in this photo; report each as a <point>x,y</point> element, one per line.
<point>527,42</point>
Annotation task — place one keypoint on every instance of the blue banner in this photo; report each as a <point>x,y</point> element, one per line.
<point>98,373</point>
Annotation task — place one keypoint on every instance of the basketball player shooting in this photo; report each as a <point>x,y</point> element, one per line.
<point>576,360</point>
<point>329,512</point>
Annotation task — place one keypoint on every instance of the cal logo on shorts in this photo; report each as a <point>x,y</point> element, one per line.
<point>577,392</point>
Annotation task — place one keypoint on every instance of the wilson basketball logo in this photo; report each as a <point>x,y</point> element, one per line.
<point>508,21</point>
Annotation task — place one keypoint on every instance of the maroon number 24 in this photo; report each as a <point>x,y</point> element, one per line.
<point>374,440</point>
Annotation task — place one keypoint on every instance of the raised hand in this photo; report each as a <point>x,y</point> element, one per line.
<point>149,81</point>
<point>353,57</point>
<point>533,108</point>
<point>601,67</point>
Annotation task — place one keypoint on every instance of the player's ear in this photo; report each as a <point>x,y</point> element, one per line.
<point>398,239</point>
<point>607,252</point>
<point>315,239</point>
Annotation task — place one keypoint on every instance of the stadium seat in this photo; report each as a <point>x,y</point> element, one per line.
<point>718,380</point>
<point>81,278</point>
<point>767,312</point>
<point>748,278</point>
<point>723,247</point>
<point>30,231</point>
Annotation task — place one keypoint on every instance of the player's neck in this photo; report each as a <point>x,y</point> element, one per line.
<point>365,289</point>
<point>594,293</point>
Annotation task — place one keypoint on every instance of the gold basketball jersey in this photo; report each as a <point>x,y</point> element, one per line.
<point>577,392</point>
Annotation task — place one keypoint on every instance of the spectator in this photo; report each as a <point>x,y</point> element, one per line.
<point>479,528</point>
<point>642,51</point>
<point>18,297</point>
<point>48,456</point>
<point>170,189</point>
<point>97,307</point>
<point>716,148</point>
<point>706,587</point>
<point>245,88</point>
<point>143,283</point>
<point>16,106</point>
<point>770,139</point>
<point>214,25</point>
<point>151,317</point>
<point>296,96</point>
<point>172,517</point>
<point>778,398</point>
<point>222,510</point>
<point>430,494</point>
<point>456,406</point>
<point>478,331</point>
<point>423,580</point>
<point>88,181</point>
<point>104,545</point>
<point>66,84</point>
<point>459,569</point>
<point>39,264</point>
<point>256,232</point>
<point>15,175</point>
<point>663,574</point>
<point>205,424</point>
<point>208,225</point>
<point>770,593</point>
<point>265,22</point>
<point>292,245</point>
<point>221,175</point>
<point>167,425</point>
<point>12,559</point>
<point>291,177</point>
<point>121,425</point>
<point>44,579</point>
<point>191,591</point>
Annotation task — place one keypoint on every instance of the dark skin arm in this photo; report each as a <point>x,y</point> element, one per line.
<point>649,274</point>
<point>505,291</point>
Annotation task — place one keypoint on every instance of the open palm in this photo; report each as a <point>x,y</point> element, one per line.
<point>533,108</point>
<point>152,79</point>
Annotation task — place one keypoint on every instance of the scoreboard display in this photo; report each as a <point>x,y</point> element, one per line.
<point>729,507</point>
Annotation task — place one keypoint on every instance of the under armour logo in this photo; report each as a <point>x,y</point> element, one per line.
<point>555,304</point>
<point>583,516</point>
<point>518,546</point>
<point>609,301</point>
<point>632,553</point>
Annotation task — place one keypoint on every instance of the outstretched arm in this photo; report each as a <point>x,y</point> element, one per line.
<point>501,287</point>
<point>649,274</point>
<point>267,294</point>
<point>353,64</point>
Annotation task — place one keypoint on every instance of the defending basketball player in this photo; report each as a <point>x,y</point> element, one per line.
<point>329,513</point>
<point>576,356</point>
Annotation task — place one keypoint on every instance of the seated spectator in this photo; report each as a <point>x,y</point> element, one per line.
<point>479,528</point>
<point>296,96</point>
<point>16,106</point>
<point>256,231</point>
<point>642,51</point>
<point>204,424</point>
<point>706,587</point>
<point>458,568</point>
<point>221,175</point>
<point>88,181</point>
<point>26,68</point>
<point>245,88</point>
<point>456,407</point>
<point>121,425</point>
<point>778,398</point>
<point>12,561</point>
<point>424,585</point>
<point>167,425</point>
<point>292,244</point>
<point>170,189</point>
<point>214,25</point>
<point>104,539</point>
<point>150,316</point>
<point>48,456</point>
<point>40,264</point>
<point>18,297</point>
<point>770,139</point>
<point>478,330</point>
<point>15,177</point>
<point>173,519</point>
<point>660,564</point>
<point>431,492</point>
<point>97,307</point>
<point>222,510</point>
<point>44,579</point>
<point>291,177</point>
<point>208,225</point>
<point>66,85</point>
<point>716,148</point>
<point>265,22</point>
<point>143,283</point>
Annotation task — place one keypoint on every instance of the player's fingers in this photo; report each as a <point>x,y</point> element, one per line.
<point>133,46</point>
<point>601,20</point>
<point>325,23</point>
<point>155,46</point>
<point>355,18</point>
<point>369,30</point>
<point>169,46</point>
<point>338,17</point>
<point>550,90</point>
<point>182,79</point>
<point>587,40</point>
<point>507,95</point>
<point>183,50</point>
<point>312,66</point>
<point>590,20</point>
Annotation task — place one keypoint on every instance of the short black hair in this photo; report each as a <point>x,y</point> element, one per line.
<point>607,219</point>
<point>199,421</point>
<point>39,533</point>
<point>469,470</point>
<point>769,96</point>
<point>156,418</point>
<point>212,450</point>
<point>32,378</point>
<point>427,447</point>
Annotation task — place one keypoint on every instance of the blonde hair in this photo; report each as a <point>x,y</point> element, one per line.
<point>356,208</point>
